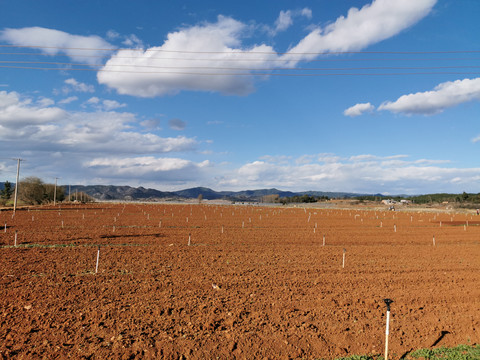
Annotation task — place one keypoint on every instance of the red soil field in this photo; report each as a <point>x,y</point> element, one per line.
<point>255,282</point>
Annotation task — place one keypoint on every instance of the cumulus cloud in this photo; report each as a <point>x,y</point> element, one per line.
<point>53,42</point>
<point>359,109</point>
<point>200,57</point>
<point>193,58</point>
<point>55,129</point>
<point>177,124</point>
<point>17,112</point>
<point>443,96</point>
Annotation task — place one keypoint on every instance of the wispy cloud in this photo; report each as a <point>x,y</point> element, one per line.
<point>53,42</point>
<point>74,85</point>
<point>443,96</point>
<point>363,27</point>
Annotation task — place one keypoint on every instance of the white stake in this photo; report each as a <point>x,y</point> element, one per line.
<point>160,223</point>
<point>395,228</point>
<point>387,329</point>
<point>343,262</point>
<point>98,258</point>
<point>5,228</point>
<point>15,238</point>
<point>323,240</point>
<point>222,229</point>
<point>433,240</point>
<point>189,239</point>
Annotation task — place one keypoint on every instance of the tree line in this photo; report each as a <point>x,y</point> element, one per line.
<point>274,198</point>
<point>463,198</point>
<point>33,191</point>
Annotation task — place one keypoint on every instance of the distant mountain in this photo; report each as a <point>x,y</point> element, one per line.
<point>128,193</point>
<point>112,192</point>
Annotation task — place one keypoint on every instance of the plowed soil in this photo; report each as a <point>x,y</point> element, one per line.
<point>234,282</point>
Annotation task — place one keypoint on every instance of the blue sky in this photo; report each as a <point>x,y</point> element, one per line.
<point>375,96</point>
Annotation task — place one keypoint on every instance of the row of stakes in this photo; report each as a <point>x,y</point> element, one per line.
<point>189,236</point>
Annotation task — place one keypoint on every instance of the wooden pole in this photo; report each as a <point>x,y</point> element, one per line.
<point>387,329</point>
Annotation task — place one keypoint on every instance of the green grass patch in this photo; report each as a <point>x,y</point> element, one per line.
<point>460,352</point>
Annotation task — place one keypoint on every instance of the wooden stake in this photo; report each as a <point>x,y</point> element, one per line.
<point>387,329</point>
<point>98,258</point>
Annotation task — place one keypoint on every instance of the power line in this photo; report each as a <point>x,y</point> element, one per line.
<point>244,59</point>
<point>241,74</point>
<point>235,51</point>
<point>252,69</point>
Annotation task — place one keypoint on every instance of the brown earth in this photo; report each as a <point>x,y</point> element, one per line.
<point>264,287</point>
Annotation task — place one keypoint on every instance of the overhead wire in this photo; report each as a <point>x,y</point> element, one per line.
<point>241,51</point>
<point>243,71</point>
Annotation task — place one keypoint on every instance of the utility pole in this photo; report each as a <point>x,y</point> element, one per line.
<point>16,185</point>
<point>55,192</point>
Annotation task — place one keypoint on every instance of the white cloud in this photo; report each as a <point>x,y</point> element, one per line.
<point>112,104</point>
<point>77,86</point>
<point>210,47</point>
<point>359,109</point>
<point>112,35</point>
<point>197,58</point>
<point>443,96</point>
<point>17,112</point>
<point>146,167</point>
<point>103,105</point>
<point>372,23</point>
<point>93,100</point>
<point>359,173</point>
<point>53,42</point>
<point>45,102</point>
<point>133,41</point>
<point>68,100</point>
<point>77,132</point>
<point>284,21</point>
<point>306,12</point>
